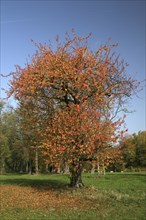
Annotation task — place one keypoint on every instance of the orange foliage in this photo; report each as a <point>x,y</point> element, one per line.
<point>74,95</point>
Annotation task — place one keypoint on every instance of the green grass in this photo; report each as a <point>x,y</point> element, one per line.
<point>117,196</point>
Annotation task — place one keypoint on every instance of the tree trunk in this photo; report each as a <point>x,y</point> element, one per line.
<point>76,178</point>
<point>2,167</point>
<point>46,168</point>
<point>36,162</point>
<point>93,168</point>
<point>66,169</point>
<point>59,169</point>
<point>98,167</point>
<point>27,166</point>
<point>104,170</point>
<point>30,166</point>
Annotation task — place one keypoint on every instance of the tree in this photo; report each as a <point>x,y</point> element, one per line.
<point>4,148</point>
<point>134,150</point>
<point>141,149</point>
<point>129,151</point>
<point>74,95</point>
<point>13,151</point>
<point>114,159</point>
<point>12,132</point>
<point>4,152</point>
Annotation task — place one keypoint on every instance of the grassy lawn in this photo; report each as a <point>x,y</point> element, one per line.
<point>46,197</point>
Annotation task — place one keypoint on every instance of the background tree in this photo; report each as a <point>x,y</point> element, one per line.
<point>75,94</point>
<point>141,149</point>
<point>129,152</point>
<point>31,138</point>
<point>134,150</point>
<point>4,148</point>
<point>14,144</point>
<point>13,151</point>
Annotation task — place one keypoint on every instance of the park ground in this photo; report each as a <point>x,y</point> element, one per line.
<point>116,196</point>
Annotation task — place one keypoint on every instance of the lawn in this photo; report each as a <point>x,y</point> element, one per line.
<point>117,196</point>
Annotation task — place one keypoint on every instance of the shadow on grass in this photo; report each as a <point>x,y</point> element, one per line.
<point>62,181</point>
<point>115,175</point>
<point>127,175</point>
<point>36,181</point>
<point>135,174</point>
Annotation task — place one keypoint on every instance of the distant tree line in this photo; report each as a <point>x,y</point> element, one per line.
<point>18,154</point>
<point>134,151</point>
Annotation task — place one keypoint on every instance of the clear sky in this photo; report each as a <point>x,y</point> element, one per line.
<point>122,21</point>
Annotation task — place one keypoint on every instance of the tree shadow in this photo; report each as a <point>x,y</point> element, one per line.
<point>135,174</point>
<point>36,182</point>
<point>129,174</point>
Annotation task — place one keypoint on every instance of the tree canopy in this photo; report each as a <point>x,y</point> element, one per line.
<point>72,96</point>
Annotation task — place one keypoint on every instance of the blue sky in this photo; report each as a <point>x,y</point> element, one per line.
<point>122,21</point>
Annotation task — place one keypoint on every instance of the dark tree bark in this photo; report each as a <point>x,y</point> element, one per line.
<point>76,175</point>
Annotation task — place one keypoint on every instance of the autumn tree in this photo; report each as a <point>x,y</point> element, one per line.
<point>74,95</point>
<point>113,159</point>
